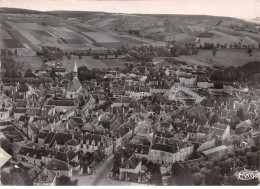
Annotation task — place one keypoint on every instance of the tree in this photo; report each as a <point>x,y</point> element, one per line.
<point>198,178</point>
<point>23,88</point>
<point>214,51</point>
<point>250,51</point>
<point>156,177</point>
<point>29,73</point>
<point>15,53</point>
<point>177,168</point>
<point>240,114</point>
<point>65,181</point>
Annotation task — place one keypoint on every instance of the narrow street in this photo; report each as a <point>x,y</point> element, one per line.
<point>98,175</point>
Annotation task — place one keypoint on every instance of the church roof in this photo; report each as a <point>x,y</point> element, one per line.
<point>74,85</point>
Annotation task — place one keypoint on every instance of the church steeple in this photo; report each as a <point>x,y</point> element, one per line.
<point>75,70</point>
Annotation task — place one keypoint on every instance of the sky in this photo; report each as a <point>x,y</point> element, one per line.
<point>231,8</point>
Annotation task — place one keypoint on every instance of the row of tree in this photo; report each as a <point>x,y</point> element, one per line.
<point>246,73</point>
<point>212,172</point>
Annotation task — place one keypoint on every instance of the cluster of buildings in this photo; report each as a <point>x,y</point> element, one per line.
<point>163,113</point>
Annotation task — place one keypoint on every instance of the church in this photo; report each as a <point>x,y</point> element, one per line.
<point>74,86</point>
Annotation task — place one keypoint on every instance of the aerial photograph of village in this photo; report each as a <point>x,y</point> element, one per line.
<point>167,96</point>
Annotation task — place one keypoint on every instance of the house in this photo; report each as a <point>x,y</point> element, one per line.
<point>58,140</point>
<point>74,86</point>
<point>132,166</point>
<point>202,140</point>
<point>188,81</point>
<point>122,134</point>
<point>45,178</point>
<point>29,155</point>
<point>167,151</point>
<point>90,103</point>
<point>62,105</point>
<point>221,131</point>
<point>164,127</point>
<point>92,142</point>
<point>18,112</point>
<point>4,114</point>
<point>140,151</point>
<point>34,112</point>
<point>203,82</point>
<point>35,170</point>
<point>216,153</point>
<point>59,71</point>
<point>60,168</point>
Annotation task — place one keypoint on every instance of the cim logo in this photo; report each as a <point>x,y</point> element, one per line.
<point>247,175</point>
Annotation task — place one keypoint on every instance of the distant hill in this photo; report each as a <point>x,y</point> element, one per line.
<point>175,27</point>
<point>20,11</point>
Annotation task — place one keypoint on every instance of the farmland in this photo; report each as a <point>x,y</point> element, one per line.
<point>227,57</point>
<point>100,38</point>
<point>30,34</point>
<point>91,63</point>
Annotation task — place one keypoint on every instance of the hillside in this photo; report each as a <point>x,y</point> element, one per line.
<point>178,28</point>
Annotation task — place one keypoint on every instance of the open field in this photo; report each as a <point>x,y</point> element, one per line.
<point>32,34</point>
<point>92,63</point>
<point>100,38</point>
<point>29,62</point>
<point>89,62</point>
<point>227,57</point>
<point>12,43</point>
<point>5,35</point>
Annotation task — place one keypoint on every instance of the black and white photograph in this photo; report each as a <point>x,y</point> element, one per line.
<point>130,93</point>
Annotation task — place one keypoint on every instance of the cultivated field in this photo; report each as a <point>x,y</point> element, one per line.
<point>91,63</point>
<point>227,57</point>
<point>24,63</point>
<point>30,34</point>
<point>100,38</point>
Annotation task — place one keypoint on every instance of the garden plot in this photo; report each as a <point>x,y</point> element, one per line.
<point>58,34</point>
<point>74,35</point>
<point>5,35</point>
<point>30,37</point>
<point>100,38</point>
<point>17,35</point>
<point>61,29</point>
<point>89,62</point>
<point>12,43</point>
<point>5,25</point>
<point>29,26</point>
<point>42,33</point>
<point>112,63</point>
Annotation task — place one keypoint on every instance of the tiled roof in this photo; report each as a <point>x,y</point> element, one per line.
<point>21,103</point>
<point>138,148</point>
<point>20,110</point>
<point>55,154</point>
<point>55,164</point>
<point>72,142</point>
<point>45,176</point>
<point>42,135</point>
<point>70,154</point>
<point>67,102</point>
<point>165,148</point>
<point>216,131</point>
<point>34,112</point>
<point>131,163</point>
<point>220,126</point>
<point>24,118</point>
<point>75,85</point>
<point>202,129</point>
<point>31,152</point>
